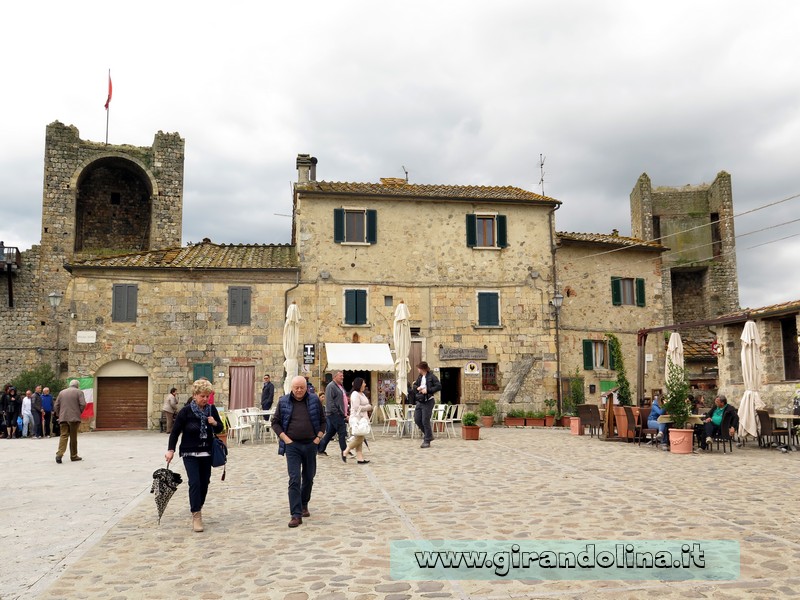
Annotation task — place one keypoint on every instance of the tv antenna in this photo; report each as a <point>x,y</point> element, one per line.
<point>405,171</point>
<point>541,172</point>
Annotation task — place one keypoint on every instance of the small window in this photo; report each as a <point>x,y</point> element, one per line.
<point>238,305</point>
<point>201,370</point>
<point>791,356</point>
<point>597,355</point>
<point>355,307</point>
<point>125,298</point>
<point>716,236</point>
<point>488,309</point>
<point>388,301</point>
<point>489,377</point>
<point>355,226</point>
<point>486,231</point>
<point>626,291</point>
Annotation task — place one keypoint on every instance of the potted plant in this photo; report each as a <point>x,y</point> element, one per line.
<point>515,418</point>
<point>534,418</point>
<point>576,396</point>
<point>676,405</point>
<point>469,426</point>
<point>487,410</point>
<point>550,413</point>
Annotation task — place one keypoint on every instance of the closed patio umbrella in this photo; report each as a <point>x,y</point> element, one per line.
<point>751,375</point>
<point>291,339</point>
<point>674,352</point>
<point>402,345</point>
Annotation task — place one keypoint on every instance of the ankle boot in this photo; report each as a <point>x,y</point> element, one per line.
<point>197,521</point>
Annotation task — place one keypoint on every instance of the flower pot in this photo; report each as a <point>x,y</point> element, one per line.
<point>566,421</point>
<point>470,432</point>
<point>575,427</point>
<point>487,421</point>
<point>680,441</point>
<point>514,421</point>
<point>549,420</point>
<point>534,422</point>
<point>621,420</point>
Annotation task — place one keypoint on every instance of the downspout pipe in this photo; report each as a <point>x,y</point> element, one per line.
<point>286,294</point>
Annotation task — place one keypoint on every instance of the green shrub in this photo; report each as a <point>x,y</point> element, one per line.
<point>516,413</point>
<point>469,419</point>
<point>42,375</point>
<point>487,408</point>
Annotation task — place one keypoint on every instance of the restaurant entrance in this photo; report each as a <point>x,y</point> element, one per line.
<point>451,385</point>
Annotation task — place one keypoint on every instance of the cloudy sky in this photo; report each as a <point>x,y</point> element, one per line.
<point>464,93</point>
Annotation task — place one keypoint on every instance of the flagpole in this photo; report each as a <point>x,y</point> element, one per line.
<point>108,110</point>
<point>108,104</point>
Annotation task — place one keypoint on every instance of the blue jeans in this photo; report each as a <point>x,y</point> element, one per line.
<point>301,462</point>
<point>336,425</point>
<point>198,470</point>
<point>662,427</point>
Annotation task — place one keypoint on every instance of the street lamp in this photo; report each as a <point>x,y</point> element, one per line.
<point>55,300</point>
<point>557,301</point>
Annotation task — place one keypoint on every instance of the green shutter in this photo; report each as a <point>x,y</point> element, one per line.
<point>372,226</point>
<point>611,364</point>
<point>472,231</point>
<point>361,307</point>
<point>488,311</point>
<point>203,370</point>
<point>640,292</point>
<point>502,241</point>
<point>616,291</point>
<point>350,307</point>
<point>338,225</point>
<point>588,355</point>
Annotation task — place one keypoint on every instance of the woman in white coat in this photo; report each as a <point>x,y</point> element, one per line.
<point>359,408</point>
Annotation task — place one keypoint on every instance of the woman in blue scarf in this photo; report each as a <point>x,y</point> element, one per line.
<point>197,422</point>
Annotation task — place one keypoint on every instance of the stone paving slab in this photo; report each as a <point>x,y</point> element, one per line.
<point>526,484</point>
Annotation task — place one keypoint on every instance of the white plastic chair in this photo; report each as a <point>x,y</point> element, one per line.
<point>238,426</point>
<point>439,418</point>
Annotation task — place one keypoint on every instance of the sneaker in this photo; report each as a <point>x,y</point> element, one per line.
<point>659,435</point>
<point>708,441</point>
<point>425,445</point>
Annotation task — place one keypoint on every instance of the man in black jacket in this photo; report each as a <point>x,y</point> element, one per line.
<point>267,394</point>
<point>426,385</point>
<point>335,413</point>
<point>715,418</point>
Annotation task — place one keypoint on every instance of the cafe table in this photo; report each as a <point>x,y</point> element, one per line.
<point>790,419</point>
<point>692,420</point>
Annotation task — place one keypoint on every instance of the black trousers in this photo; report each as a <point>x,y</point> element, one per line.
<point>336,425</point>
<point>198,470</point>
<point>422,417</point>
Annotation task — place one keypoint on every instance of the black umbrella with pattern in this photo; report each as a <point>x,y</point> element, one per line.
<point>165,482</point>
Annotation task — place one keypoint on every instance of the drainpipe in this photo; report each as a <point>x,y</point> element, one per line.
<point>286,295</point>
<point>557,309</point>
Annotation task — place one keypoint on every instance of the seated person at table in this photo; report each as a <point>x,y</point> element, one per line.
<point>714,417</point>
<point>656,410</point>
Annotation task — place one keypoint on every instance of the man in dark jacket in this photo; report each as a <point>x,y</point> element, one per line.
<point>299,423</point>
<point>715,417</point>
<point>36,411</point>
<point>267,393</point>
<point>335,413</point>
<point>426,385</point>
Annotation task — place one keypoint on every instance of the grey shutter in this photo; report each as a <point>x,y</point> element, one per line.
<point>245,297</point>
<point>234,306</point>
<point>131,297</point>
<point>350,313</point>
<point>361,307</point>
<point>118,299</point>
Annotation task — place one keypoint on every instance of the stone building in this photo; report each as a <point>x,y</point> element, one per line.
<point>477,267</point>
<point>699,272</point>
<point>611,284</point>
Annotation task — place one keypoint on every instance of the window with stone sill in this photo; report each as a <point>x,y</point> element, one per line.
<point>489,377</point>
<point>488,309</point>
<point>627,291</point>
<point>486,230</point>
<point>355,226</point>
<point>597,355</point>
<point>124,300</point>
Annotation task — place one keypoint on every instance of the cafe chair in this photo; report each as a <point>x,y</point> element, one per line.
<point>769,436</point>
<point>644,431</point>
<point>724,434</point>
<point>589,415</point>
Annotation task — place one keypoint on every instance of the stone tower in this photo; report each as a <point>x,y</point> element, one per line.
<point>96,199</point>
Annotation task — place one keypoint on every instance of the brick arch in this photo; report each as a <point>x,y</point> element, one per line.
<point>114,196</point>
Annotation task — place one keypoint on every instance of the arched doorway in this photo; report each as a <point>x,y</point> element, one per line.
<point>121,396</point>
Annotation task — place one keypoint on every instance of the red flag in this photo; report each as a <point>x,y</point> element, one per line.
<point>108,100</point>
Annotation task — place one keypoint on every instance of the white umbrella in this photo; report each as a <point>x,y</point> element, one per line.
<point>291,339</point>
<point>751,374</point>
<point>674,352</point>
<point>402,344</point>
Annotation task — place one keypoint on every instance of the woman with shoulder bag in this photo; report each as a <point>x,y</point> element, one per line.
<point>360,409</point>
<point>196,423</point>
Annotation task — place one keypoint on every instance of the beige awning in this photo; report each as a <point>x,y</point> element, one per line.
<point>359,357</point>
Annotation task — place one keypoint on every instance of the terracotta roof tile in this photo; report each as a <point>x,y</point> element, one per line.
<point>398,187</point>
<point>782,308</point>
<point>204,255</point>
<point>608,239</point>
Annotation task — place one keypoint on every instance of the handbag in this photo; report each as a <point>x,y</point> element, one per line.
<point>361,427</point>
<point>219,453</point>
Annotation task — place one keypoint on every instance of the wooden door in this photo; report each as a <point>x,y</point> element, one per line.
<point>121,403</point>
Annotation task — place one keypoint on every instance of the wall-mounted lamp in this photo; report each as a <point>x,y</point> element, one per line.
<point>55,299</point>
<point>557,301</point>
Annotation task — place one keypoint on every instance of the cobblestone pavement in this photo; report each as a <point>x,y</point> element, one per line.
<point>88,529</point>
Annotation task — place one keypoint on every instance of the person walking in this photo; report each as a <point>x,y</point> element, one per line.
<point>12,410</point>
<point>359,408</point>
<point>267,394</point>
<point>425,387</point>
<point>68,408</point>
<point>170,408</point>
<point>299,423</point>
<point>196,424</point>
<point>47,411</point>
<point>36,411</point>
<point>27,415</point>
<point>336,411</point>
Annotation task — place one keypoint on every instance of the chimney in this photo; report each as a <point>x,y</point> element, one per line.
<point>306,168</point>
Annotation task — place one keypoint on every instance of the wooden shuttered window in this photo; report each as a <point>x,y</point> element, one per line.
<point>498,237</point>
<point>203,370</point>
<point>355,307</point>
<point>639,292</point>
<point>367,221</point>
<point>238,305</point>
<point>616,291</point>
<point>627,291</point>
<point>338,225</point>
<point>124,301</point>
<point>588,355</point>
<point>472,231</point>
<point>488,309</point>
